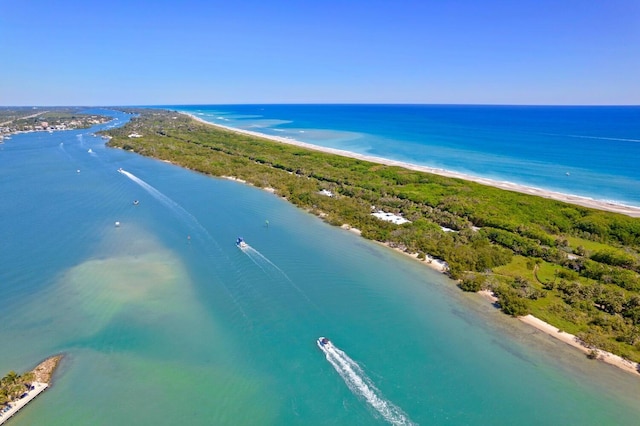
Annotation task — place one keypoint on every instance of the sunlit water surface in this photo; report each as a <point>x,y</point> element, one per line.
<point>164,320</point>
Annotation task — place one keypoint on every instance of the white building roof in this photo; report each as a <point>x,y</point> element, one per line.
<point>390,217</point>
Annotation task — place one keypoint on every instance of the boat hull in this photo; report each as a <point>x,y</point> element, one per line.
<point>323,343</point>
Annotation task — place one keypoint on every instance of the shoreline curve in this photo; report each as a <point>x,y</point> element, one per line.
<point>631,211</point>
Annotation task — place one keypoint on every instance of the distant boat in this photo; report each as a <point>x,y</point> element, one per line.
<point>136,202</point>
<point>241,244</point>
<point>90,151</point>
<point>323,342</point>
<point>568,174</point>
<point>120,170</point>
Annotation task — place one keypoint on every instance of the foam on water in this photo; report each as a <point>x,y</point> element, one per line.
<point>604,138</point>
<point>175,208</point>
<point>266,265</point>
<point>362,386</point>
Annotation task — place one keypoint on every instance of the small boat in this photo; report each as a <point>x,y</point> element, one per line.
<point>323,342</point>
<point>120,170</point>
<point>136,202</point>
<point>240,243</point>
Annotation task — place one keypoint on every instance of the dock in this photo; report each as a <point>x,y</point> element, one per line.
<point>38,388</point>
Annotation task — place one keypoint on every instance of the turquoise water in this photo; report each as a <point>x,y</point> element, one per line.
<point>586,151</point>
<point>165,321</point>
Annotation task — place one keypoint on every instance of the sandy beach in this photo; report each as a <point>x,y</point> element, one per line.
<point>567,198</point>
<point>570,339</point>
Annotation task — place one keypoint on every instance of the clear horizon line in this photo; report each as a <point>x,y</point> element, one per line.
<point>312,103</point>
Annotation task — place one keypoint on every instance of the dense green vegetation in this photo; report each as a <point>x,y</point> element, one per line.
<point>13,385</point>
<point>574,267</point>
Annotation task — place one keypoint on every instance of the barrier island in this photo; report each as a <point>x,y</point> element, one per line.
<point>567,264</point>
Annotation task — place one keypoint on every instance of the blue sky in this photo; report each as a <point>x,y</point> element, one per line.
<point>214,52</point>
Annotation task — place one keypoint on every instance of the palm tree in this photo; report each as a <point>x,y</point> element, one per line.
<point>10,378</point>
<point>28,378</point>
<point>12,386</point>
<point>4,396</point>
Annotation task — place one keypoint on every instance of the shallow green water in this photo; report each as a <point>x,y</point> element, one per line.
<point>165,321</point>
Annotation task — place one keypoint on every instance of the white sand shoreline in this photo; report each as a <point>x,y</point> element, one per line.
<point>571,340</point>
<point>632,211</point>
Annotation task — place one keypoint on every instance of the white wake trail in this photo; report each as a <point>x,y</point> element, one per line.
<point>192,222</point>
<point>265,264</point>
<point>176,208</point>
<point>253,253</point>
<point>362,386</point>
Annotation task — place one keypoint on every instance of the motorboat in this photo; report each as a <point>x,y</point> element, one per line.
<point>136,202</point>
<point>240,243</point>
<point>323,342</point>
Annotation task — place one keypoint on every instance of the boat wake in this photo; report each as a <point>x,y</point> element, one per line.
<point>64,151</point>
<point>268,267</point>
<point>360,384</point>
<point>193,223</point>
<point>261,261</point>
<point>176,208</point>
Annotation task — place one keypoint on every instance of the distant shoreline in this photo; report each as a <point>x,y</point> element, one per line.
<point>631,211</point>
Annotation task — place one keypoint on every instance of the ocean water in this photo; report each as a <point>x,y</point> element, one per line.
<point>164,320</point>
<point>587,151</point>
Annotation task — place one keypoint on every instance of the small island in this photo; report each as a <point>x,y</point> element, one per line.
<point>16,390</point>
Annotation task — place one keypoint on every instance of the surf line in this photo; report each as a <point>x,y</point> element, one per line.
<point>362,386</point>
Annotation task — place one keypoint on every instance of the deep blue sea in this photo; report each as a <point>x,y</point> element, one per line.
<point>588,151</point>
<point>165,321</point>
